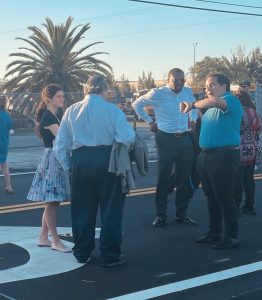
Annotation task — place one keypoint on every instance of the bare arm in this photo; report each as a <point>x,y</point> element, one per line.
<point>204,104</point>
<point>53,128</point>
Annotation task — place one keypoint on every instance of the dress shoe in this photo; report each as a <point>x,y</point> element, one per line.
<point>62,248</point>
<point>208,238</point>
<point>185,220</point>
<point>44,243</point>
<point>113,262</point>
<point>82,260</point>
<point>226,244</point>
<point>159,222</point>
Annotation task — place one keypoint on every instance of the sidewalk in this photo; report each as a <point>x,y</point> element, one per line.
<point>25,149</point>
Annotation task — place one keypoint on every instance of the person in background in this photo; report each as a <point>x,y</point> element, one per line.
<point>218,160</point>
<point>51,183</point>
<point>250,130</point>
<point>245,86</point>
<point>88,130</point>
<point>174,146</point>
<point>5,127</point>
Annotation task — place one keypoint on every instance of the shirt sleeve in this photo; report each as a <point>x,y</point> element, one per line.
<point>63,142</point>
<point>230,101</point>
<point>193,114</point>
<point>125,134</point>
<point>149,99</point>
<point>49,119</point>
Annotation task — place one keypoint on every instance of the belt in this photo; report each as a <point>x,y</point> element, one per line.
<point>175,134</point>
<point>211,150</point>
<point>93,147</point>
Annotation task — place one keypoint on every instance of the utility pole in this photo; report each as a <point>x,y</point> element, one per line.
<point>194,47</point>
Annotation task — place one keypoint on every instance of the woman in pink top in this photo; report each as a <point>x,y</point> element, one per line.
<point>249,153</point>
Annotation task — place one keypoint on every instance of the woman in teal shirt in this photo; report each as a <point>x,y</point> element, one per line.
<point>5,126</point>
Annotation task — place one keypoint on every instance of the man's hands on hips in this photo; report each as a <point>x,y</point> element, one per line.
<point>192,125</point>
<point>153,126</point>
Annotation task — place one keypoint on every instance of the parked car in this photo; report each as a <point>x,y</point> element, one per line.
<point>21,121</point>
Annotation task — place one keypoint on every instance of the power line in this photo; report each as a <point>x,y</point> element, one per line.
<point>96,18</point>
<point>231,4</point>
<point>199,8</point>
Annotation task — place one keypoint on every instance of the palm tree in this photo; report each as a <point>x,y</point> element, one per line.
<point>51,58</point>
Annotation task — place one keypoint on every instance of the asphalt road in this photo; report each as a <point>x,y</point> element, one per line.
<point>163,263</point>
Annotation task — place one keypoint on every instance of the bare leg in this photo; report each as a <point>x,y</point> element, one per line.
<point>50,221</point>
<point>7,178</point>
<point>44,231</point>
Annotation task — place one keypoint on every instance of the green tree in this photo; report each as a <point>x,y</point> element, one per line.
<point>254,65</point>
<point>50,57</point>
<point>206,66</point>
<point>237,65</point>
<point>124,84</point>
<point>146,81</point>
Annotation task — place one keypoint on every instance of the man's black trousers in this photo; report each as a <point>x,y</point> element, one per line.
<point>174,151</point>
<point>93,186</point>
<point>217,170</point>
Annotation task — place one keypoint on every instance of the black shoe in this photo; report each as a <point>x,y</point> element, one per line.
<point>82,260</point>
<point>209,238</point>
<point>159,222</point>
<point>186,220</point>
<point>114,262</point>
<point>226,244</point>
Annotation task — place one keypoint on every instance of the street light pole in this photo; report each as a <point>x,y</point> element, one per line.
<point>194,47</point>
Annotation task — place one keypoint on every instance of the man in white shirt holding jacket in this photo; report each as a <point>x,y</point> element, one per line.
<point>88,130</point>
<point>174,145</point>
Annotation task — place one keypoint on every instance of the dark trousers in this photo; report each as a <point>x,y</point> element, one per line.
<point>245,181</point>
<point>92,186</point>
<point>174,152</point>
<point>217,172</point>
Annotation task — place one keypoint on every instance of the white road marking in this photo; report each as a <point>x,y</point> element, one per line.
<point>17,174</point>
<point>28,173</point>
<point>165,274</point>
<point>7,297</point>
<point>222,260</point>
<point>51,262</point>
<point>191,283</point>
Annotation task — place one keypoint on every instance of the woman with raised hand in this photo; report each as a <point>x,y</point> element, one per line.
<point>51,182</point>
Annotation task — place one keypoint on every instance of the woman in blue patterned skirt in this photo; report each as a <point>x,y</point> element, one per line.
<point>51,182</point>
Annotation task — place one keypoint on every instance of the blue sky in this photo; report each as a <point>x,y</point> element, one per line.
<point>139,36</point>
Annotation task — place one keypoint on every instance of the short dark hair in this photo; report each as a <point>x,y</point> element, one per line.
<point>244,98</point>
<point>2,102</point>
<point>221,79</point>
<point>174,71</point>
<point>96,85</point>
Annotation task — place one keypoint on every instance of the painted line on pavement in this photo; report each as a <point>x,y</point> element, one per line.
<point>191,283</point>
<point>37,205</point>
<point>33,172</point>
<point>7,297</point>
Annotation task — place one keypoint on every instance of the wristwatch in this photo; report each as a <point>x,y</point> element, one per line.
<point>193,105</point>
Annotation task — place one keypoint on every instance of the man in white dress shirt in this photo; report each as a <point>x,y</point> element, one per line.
<point>173,143</point>
<point>88,130</point>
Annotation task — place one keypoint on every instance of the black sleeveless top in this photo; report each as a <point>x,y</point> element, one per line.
<point>48,119</point>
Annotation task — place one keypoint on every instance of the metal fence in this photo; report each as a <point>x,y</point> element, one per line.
<point>22,107</point>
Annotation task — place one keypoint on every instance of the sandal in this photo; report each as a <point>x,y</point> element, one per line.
<point>9,191</point>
